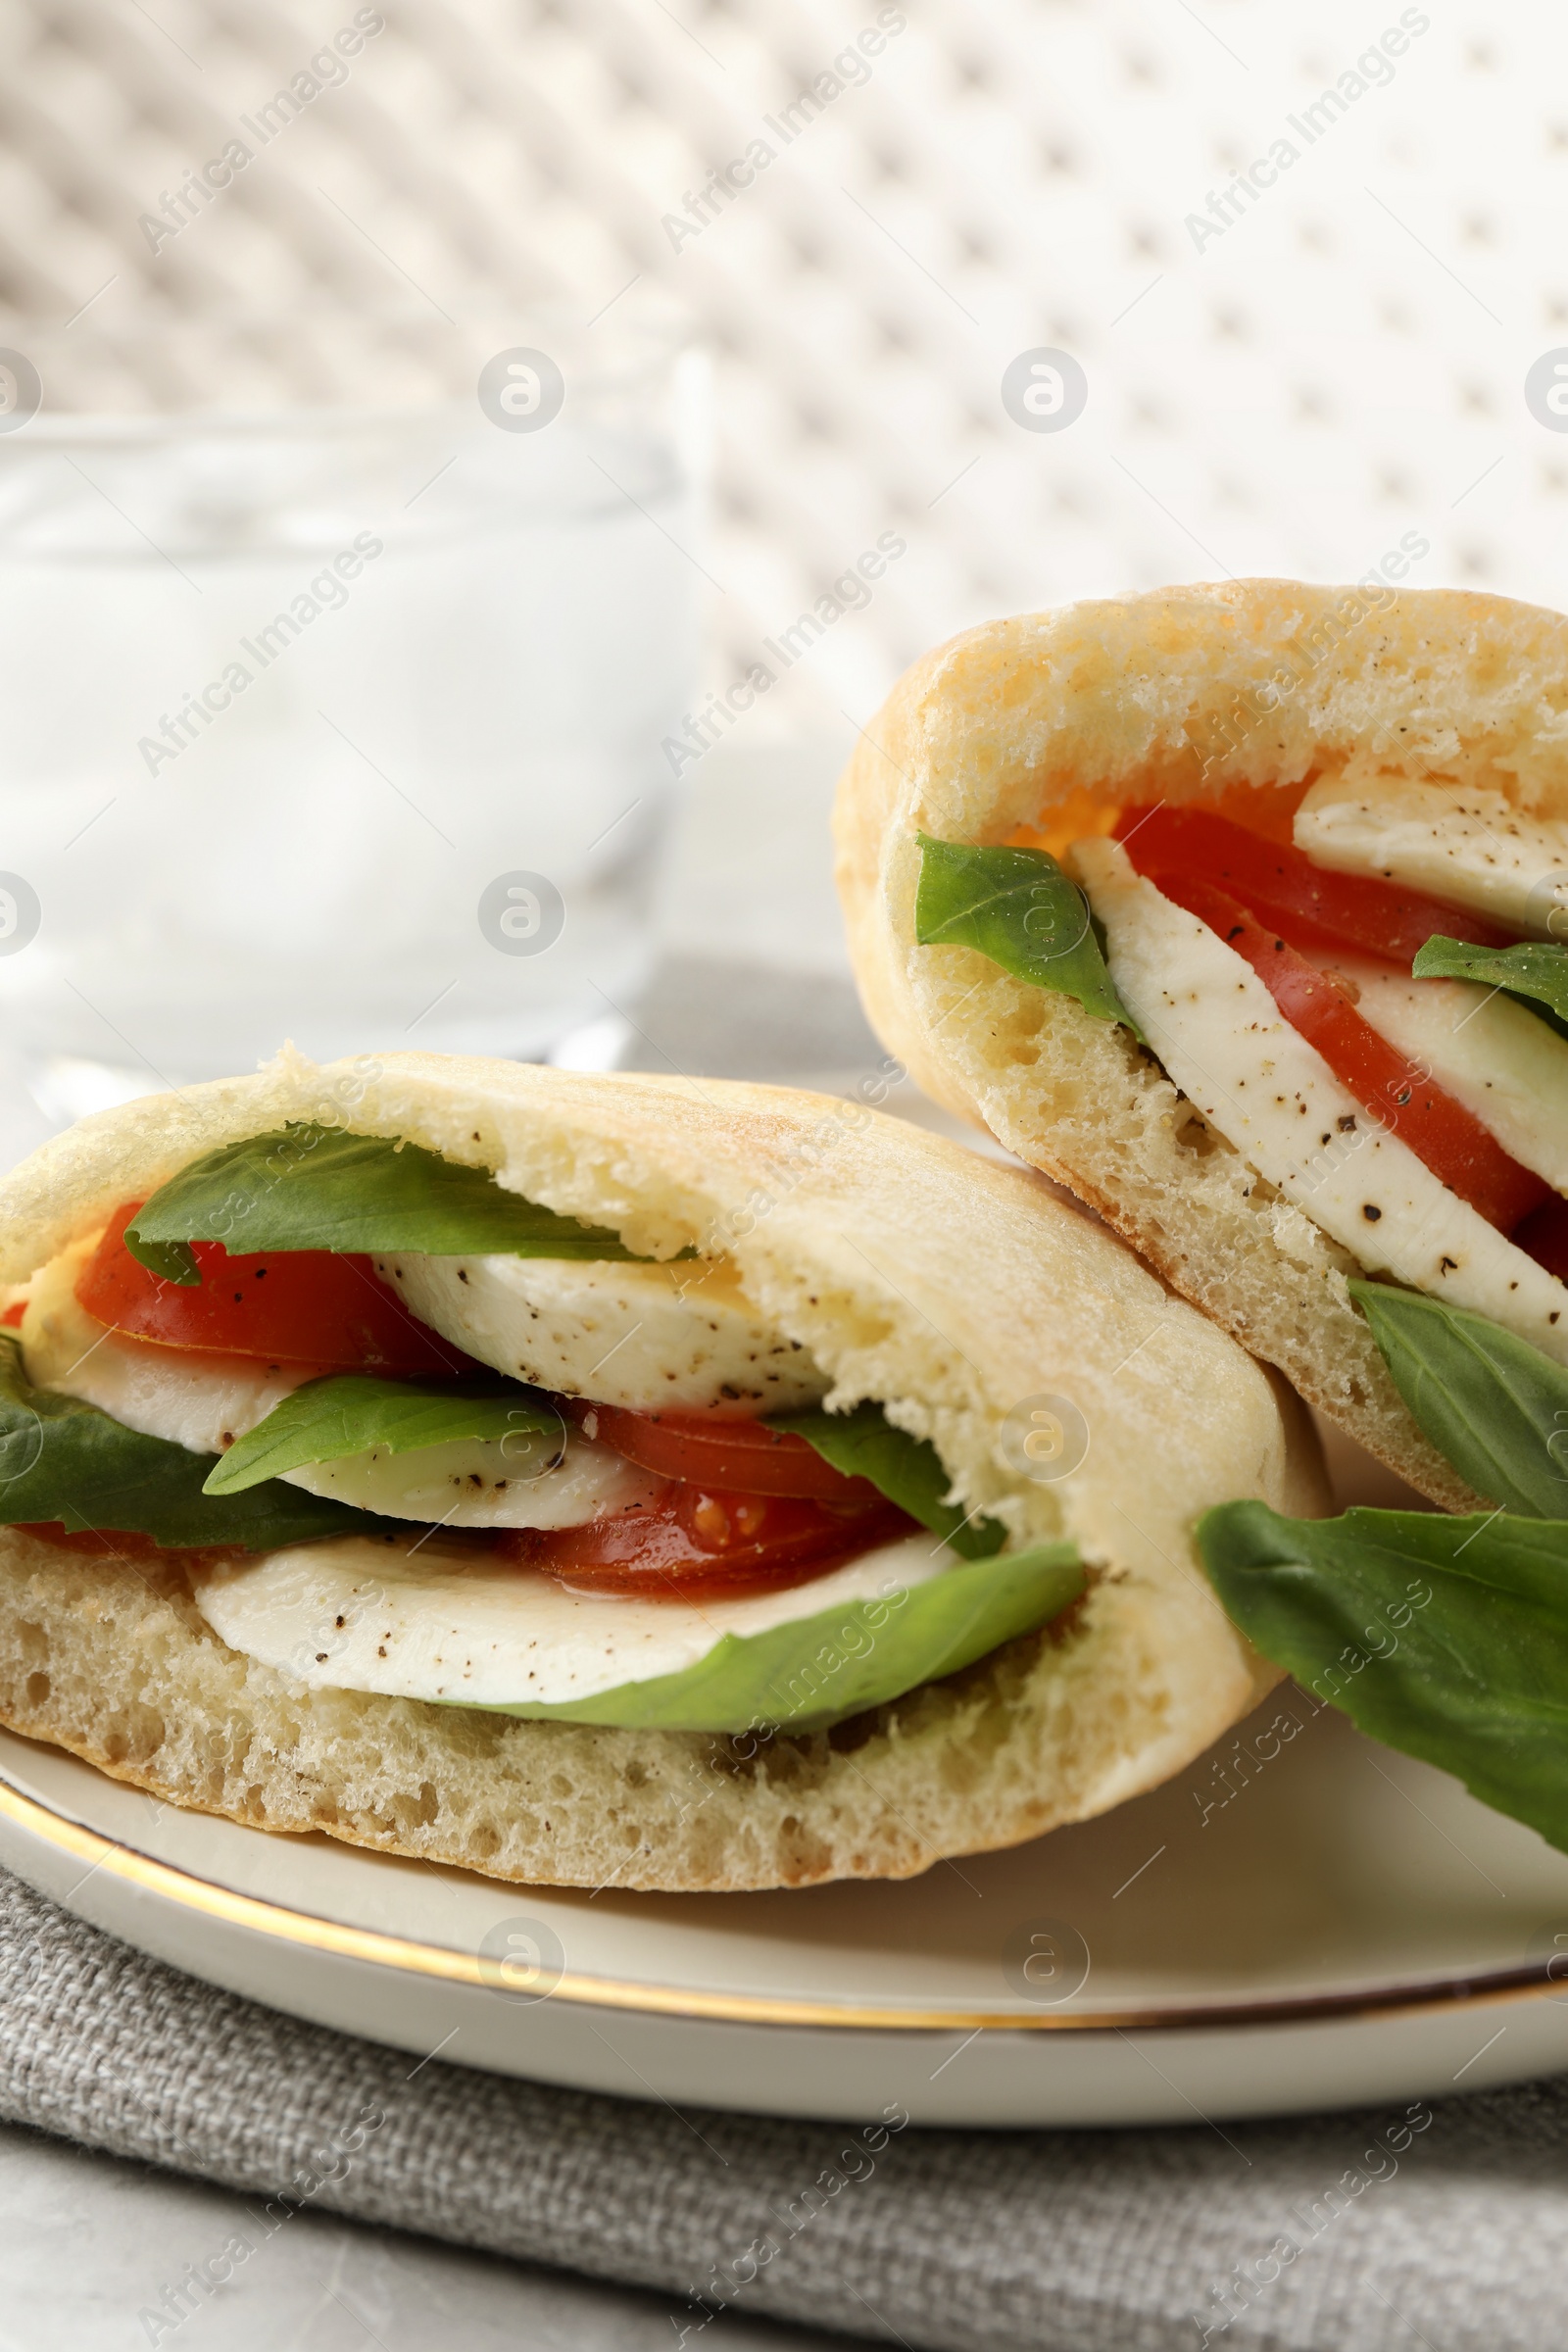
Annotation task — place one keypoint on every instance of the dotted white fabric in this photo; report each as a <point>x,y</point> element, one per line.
<point>1330,362</point>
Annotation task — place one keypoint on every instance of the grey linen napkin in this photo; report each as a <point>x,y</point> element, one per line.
<point>1446,2225</point>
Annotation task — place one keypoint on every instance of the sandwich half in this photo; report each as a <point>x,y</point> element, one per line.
<point>594,1480</point>
<point>1240,912</point>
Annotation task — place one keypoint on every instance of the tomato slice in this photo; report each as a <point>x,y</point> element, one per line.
<point>697,1544</point>
<point>1281,885</point>
<point>743,1457</point>
<point>1450,1139</point>
<point>295,1306</point>
<point>11,1320</point>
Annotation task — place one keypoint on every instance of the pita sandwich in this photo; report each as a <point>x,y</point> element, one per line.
<point>1241,911</point>
<point>231,1576</point>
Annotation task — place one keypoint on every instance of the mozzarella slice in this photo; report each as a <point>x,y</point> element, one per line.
<point>202,1402</point>
<point>1456,841</point>
<point>1483,1048</point>
<point>205,1401</point>
<point>437,1621</point>
<point>1224,1042</point>
<point>681,1335</point>
<point>476,1482</point>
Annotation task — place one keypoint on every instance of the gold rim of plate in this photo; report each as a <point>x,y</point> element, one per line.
<point>383,1950</point>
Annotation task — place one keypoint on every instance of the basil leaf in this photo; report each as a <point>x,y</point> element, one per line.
<point>907,1470</point>
<point>317,1188</point>
<point>1535,971</point>
<point>1446,1638</point>
<point>1491,1405</point>
<point>61,1459</point>
<point>350,1412</point>
<point>1018,908</point>
<point>818,1669</point>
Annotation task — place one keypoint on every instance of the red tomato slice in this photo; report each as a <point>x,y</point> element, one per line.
<point>743,1457</point>
<point>11,1320</point>
<point>1281,885</point>
<point>695,1545</point>
<point>295,1306</point>
<point>1450,1139</point>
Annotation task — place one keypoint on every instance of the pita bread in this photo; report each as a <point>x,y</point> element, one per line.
<point>949,1287</point>
<point>1049,721</point>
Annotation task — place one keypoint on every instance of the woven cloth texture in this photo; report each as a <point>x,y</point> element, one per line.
<point>1006,2242</point>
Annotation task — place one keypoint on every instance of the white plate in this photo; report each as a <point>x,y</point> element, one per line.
<point>1343,1926</point>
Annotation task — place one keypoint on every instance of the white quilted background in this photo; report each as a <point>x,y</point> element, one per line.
<point>1343,366</point>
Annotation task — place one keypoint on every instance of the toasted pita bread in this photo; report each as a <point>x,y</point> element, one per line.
<point>948,1287</point>
<point>1046,723</point>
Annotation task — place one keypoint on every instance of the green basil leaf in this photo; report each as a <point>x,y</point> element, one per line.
<point>61,1459</point>
<point>1446,1638</point>
<point>350,1412</point>
<point>821,1668</point>
<point>1536,971</point>
<point>1491,1405</point>
<point>317,1188</point>
<point>1018,908</point>
<point>864,1444</point>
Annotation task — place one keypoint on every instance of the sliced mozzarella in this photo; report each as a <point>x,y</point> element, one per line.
<point>1483,1048</point>
<point>682,1336</point>
<point>444,1622</point>
<point>1456,841</point>
<point>476,1482</point>
<point>203,1402</point>
<point>1224,1042</point>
